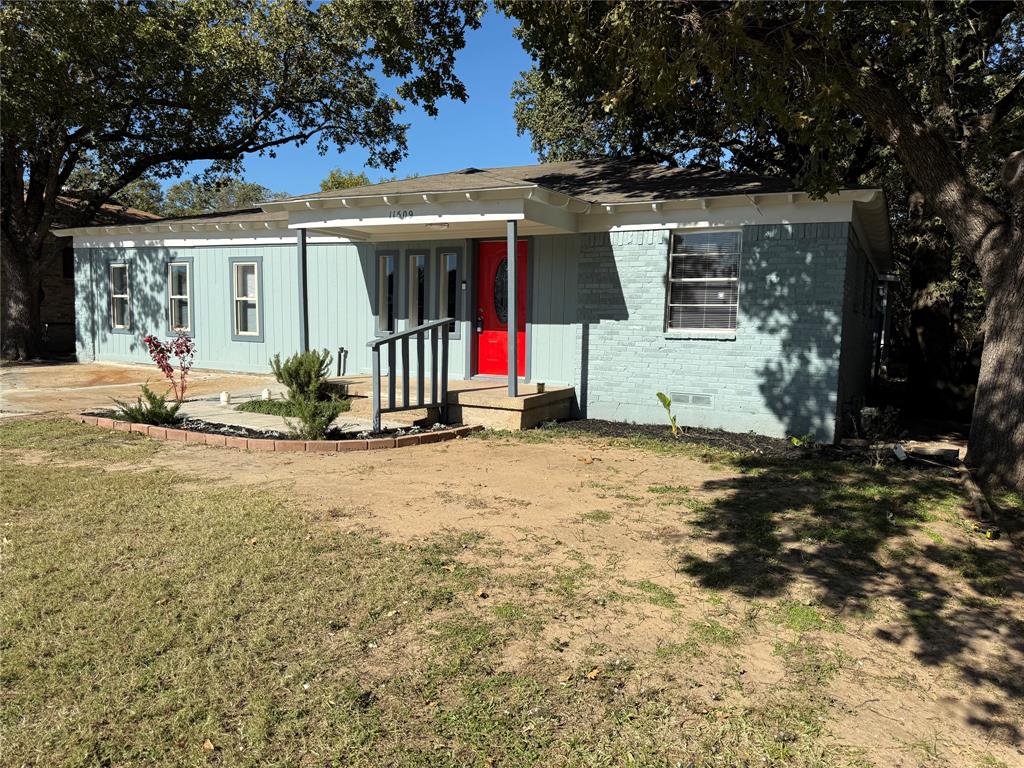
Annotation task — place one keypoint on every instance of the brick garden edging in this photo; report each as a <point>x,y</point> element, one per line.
<point>280,446</point>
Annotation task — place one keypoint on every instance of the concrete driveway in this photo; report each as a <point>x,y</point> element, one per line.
<point>73,387</point>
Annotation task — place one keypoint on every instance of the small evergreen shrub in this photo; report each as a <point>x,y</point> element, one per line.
<point>313,419</point>
<point>304,374</point>
<point>150,408</point>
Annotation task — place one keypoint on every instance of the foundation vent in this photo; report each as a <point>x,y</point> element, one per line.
<point>692,399</point>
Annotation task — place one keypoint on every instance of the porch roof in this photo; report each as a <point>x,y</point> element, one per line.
<point>552,198</point>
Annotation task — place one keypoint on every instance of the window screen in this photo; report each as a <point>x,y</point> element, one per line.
<point>703,281</point>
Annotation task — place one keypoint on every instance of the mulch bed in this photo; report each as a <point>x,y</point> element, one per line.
<point>757,446</point>
<point>234,430</point>
<point>744,442</point>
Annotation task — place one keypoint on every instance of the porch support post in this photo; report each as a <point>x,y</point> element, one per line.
<point>513,321</point>
<point>303,292</point>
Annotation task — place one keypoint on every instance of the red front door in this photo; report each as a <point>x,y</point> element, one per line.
<point>491,308</point>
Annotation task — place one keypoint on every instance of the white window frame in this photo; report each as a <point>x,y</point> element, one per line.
<point>382,296</point>
<point>239,298</point>
<point>670,281</point>
<point>173,297</point>
<point>127,296</point>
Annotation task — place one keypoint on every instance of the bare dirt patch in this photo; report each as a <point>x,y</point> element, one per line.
<point>804,612</point>
<point>74,387</point>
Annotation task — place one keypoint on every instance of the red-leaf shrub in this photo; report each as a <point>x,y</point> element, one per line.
<point>181,347</point>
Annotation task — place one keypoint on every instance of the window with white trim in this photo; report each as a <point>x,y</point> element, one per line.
<point>386,278</point>
<point>703,281</point>
<point>120,297</point>
<point>246,289</point>
<point>179,295</point>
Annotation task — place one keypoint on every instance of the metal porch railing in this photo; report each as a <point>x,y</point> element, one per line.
<point>438,332</point>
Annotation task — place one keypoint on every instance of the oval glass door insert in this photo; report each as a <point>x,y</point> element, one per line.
<point>501,292</point>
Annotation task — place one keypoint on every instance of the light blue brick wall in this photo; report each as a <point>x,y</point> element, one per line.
<point>778,376</point>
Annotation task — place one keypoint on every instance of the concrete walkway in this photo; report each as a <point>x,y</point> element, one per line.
<point>75,387</point>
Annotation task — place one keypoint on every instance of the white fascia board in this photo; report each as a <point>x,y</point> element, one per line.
<point>382,216</point>
<point>395,198</point>
<point>199,240</point>
<point>723,213</point>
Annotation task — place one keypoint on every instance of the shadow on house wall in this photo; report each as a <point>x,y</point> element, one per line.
<point>780,373</point>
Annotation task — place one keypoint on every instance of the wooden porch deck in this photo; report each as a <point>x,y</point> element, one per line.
<point>475,401</point>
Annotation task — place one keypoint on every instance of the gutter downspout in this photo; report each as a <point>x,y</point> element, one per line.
<point>303,292</point>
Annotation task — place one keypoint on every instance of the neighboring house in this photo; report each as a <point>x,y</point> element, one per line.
<point>57,305</point>
<point>749,303</point>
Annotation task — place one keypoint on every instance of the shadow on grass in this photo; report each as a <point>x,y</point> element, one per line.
<point>850,531</point>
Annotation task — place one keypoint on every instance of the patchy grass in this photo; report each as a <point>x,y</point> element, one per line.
<point>801,617</point>
<point>286,408</point>
<point>597,516</point>
<point>68,440</point>
<point>654,593</point>
<point>153,618</point>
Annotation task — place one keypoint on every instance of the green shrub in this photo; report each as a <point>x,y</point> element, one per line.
<point>313,419</point>
<point>334,406</point>
<point>150,408</point>
<point>304,374</point>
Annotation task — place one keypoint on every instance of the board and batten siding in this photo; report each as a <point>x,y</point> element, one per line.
<point>211,301</point>
<point>343,297</point>
<point>552,309</point>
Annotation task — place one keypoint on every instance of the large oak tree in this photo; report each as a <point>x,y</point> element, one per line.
<point>139,89</point>
<point>937,85</point>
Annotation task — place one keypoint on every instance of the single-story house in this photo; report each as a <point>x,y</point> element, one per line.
<point>57,274</point>
<point>750,303</point>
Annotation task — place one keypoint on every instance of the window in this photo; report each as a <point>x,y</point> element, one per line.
<point>386,293</point>
<point>246,280</point>
<point>119,297</point>
<point>417,288</point>
<point>703,281</point>
<point>448,288</point>
<point>179,292</point>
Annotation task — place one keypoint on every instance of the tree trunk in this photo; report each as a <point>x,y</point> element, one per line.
<point>22,326</point>
<point>996,245</point>
<point>996,448</point>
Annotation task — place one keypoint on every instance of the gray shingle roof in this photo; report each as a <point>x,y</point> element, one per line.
<point>606,180</point>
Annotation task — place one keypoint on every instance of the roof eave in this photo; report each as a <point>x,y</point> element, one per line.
<point>187,228</point>
<point>510,191</point>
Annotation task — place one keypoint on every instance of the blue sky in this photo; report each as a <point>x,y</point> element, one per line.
<point>480,132</point>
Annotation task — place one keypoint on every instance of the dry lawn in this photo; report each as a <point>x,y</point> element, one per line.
<point>545,599</point>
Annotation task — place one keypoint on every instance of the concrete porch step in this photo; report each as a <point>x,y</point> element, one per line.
<point>476,402</point>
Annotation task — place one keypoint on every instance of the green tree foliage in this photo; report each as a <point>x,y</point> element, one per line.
<point>339,179</point>
<point>194,196</point>
<point>142,89</point>
<point>826,88</point>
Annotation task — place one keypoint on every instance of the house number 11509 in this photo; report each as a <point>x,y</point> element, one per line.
<point>405,213</point>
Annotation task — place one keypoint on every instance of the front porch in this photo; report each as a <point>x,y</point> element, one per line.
<point>483,402</point>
